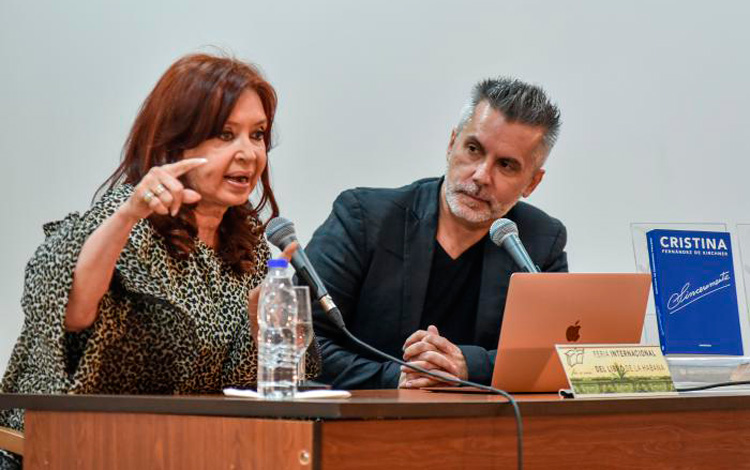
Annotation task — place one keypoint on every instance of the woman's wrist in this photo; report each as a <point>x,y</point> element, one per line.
<point>125,218</point>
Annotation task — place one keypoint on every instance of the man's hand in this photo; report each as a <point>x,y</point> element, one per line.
<point>433,352</point>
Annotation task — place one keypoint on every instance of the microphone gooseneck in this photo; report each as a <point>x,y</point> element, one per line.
<point>280,232</point>
<point>504,233</point>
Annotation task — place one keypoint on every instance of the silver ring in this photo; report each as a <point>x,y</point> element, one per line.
<point>159,189</point>
<point>148,196</point>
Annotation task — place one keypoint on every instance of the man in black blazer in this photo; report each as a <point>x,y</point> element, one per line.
<point>413,270</point>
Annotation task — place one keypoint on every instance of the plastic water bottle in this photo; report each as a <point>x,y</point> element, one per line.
<point>277,321</point>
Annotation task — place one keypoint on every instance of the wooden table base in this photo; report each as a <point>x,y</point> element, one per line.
<point>386,429</point>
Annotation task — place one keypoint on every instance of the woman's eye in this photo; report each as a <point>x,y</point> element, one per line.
<point>226,136</point>
<point>258,135</point>
<point>472,148</point>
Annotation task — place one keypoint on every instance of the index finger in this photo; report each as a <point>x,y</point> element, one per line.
<point>183,166</point>
<point>416,336</point>
<point>417,348</point>
<point>442,344</point>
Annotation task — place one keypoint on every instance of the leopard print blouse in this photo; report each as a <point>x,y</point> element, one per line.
<point>166,326</point>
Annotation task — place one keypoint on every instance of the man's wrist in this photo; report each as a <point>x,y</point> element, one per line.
<point>391,375</point>
<point>478,363</point>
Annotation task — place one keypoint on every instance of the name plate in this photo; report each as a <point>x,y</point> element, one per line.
<point>615,370</point>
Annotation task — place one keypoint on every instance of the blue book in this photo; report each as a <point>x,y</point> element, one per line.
<point>695,292</point>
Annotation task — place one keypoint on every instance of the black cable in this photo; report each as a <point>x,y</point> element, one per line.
<point>710,386</point>
<point>280,232</point>
<point>506,395</point>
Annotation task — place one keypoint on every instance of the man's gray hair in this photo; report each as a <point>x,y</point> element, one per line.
<point>519,102</point>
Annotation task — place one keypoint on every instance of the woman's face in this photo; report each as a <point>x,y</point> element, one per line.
<point>236,158</point>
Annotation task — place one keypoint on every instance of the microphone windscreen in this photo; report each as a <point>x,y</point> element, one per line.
<point>502,228</point>
<point>279,230</point>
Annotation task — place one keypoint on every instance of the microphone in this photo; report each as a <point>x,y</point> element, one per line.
<point>280,232</point>
<point>504,233</point>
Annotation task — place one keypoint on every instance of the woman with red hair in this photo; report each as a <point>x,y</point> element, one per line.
<point>149,290</point>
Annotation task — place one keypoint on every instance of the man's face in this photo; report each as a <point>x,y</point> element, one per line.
<point>491,164</point>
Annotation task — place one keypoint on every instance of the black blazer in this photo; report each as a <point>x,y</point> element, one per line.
<point>374,253</point>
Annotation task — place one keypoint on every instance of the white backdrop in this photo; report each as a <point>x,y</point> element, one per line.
<point>654,96</point>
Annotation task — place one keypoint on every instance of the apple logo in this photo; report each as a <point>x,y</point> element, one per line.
<point>572,333</point>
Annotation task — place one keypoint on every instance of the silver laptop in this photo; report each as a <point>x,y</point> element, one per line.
<point>545,309</point>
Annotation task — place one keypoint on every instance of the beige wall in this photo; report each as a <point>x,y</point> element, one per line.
<point>654,98</point>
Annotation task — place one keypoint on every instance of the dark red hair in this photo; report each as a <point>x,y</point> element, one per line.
<point>190,104</point>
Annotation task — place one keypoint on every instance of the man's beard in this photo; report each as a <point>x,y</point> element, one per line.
<point>486,213</point>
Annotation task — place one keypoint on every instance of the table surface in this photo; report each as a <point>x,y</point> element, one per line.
<point>373,404</point>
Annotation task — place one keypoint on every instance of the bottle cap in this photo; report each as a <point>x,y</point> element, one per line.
<point>278,263</point>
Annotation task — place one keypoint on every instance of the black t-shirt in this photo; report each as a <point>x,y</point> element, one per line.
<point>453,293</point>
